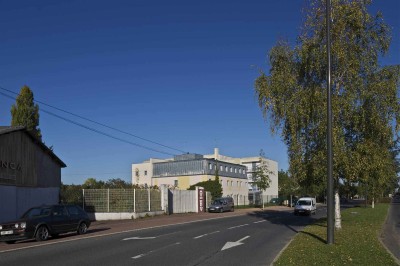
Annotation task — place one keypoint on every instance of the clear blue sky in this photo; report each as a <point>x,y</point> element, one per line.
<point>179,73</point>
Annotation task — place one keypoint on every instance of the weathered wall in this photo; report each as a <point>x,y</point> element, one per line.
<point>16,200</point>
<point>24,163</point>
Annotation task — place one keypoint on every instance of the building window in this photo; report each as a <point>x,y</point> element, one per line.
<point>215,167</point>
<point>221,168</point>
<point>210,166</point>
<point>226,168</point>
<point>176,183</point>
<point>231,170</point>
<point>235,170</point>
<point>227,183</point>
<point>145,172</point>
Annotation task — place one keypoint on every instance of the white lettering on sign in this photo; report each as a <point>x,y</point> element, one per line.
<point>201,200</point>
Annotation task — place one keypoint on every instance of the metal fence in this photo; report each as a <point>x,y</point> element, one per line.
<point>256,198</point>
<point>121,200</point>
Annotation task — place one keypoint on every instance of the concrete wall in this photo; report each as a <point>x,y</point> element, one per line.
<point>104,216</point>
<point>16,200</point>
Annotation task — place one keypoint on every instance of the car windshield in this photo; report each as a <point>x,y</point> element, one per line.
<point>304,202</point>
<point>217,202</point>
<point>35,212</point>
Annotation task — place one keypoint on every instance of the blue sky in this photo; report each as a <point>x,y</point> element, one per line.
<point>179,73</point>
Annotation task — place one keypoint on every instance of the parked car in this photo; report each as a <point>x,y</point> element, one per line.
<point>48,220</point>
<point>276,201</point>
<point>222,204</point>
<point>305,205</point>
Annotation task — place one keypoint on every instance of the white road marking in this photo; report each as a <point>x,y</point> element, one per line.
<point>116,233</point>
<point>234,244</point>
<point>147,237</point>
<point>197,237</point>
<point>152,251</point>
<point>260,222</point>
<point>138,238</point>
<point>237,226</point>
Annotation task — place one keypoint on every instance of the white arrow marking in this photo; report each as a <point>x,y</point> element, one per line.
<point>234,244</point>
<point>147,237</point>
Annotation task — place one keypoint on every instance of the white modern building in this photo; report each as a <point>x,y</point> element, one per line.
<point>182,171</point>
<point>251,164</point>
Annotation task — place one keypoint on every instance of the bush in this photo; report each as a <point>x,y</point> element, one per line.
<point>212,186</point>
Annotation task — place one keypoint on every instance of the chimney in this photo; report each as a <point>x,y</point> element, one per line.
<point>216,153</point>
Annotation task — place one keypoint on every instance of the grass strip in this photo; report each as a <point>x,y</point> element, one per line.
<point>357,243</point>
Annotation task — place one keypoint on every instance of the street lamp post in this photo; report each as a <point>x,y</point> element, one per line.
<point>330,202</point>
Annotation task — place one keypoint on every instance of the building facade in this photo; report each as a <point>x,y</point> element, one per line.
<point>182,171</point>
<point>30,173</point>
<point>251,164</point>
<point>186,170</point>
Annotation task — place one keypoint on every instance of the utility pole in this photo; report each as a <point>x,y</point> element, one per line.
<point>330,201</point>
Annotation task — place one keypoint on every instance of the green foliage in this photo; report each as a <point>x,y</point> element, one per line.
<point>287,185</point>
<point>117,183</point>
<point>213,186</point>
<point>356,243</point>
<point>261,177</point>
<point>71,194</point>
<point>25,112</point>
<point>365,105</point>
<point>92,183</point>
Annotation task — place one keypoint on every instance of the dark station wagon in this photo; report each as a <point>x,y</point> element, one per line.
<point>48,220</point>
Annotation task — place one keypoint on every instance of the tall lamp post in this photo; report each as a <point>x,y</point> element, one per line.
<point>330,202</point>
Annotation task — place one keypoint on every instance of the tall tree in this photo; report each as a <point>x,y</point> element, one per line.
<point>364,97</point>
<point>287,186</point>
<point>25,112</point>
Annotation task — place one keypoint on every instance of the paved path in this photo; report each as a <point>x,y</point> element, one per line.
<point>391,230</point>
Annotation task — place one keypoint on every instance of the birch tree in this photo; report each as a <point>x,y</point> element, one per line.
<point>365,106</point>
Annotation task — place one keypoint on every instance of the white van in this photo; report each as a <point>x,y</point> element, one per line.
<point>305,205</point>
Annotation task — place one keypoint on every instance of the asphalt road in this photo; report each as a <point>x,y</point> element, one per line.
<point>249,239</point>
<point>391,231</point>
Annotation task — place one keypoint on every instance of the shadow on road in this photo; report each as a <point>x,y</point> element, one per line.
<point>292,222</point>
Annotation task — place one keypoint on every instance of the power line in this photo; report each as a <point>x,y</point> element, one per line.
<point>98,123</point>
<point>95,130</point>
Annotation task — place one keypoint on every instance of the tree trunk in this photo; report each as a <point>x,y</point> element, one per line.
<point>338,218</point>
<point>373,203</point>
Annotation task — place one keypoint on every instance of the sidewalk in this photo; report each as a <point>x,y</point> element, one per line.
<point>390,235</point>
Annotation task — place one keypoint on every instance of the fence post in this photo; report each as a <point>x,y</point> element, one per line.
<point>108,200</point>
<point>134,200</point>
<point>148,193</point>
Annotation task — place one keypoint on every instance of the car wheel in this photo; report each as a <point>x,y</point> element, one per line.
<point>82,229</point>
<point>232,209</point>
<point>42,233</point>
